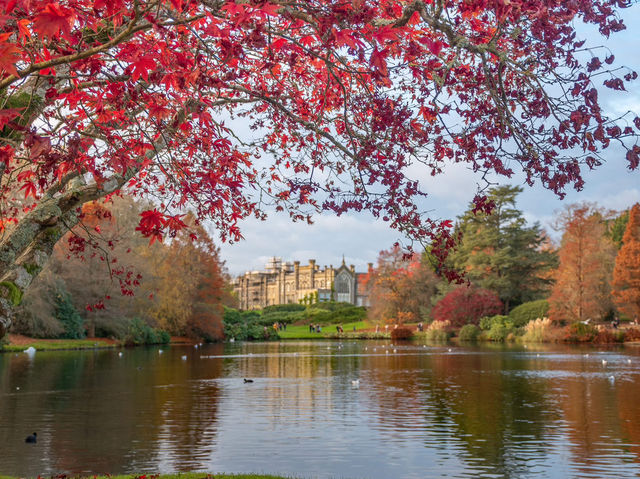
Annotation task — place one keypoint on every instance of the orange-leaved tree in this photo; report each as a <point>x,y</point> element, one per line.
<point>233,107</point>
<point>582,289</point>
<point>626,274</point>
<point>400,287</point>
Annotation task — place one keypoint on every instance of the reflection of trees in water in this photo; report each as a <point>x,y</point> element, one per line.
<point>602,417</point>
<point>109,415</point>
<point>465,400</point>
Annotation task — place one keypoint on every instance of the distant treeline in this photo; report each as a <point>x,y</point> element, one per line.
<point>106,280</point>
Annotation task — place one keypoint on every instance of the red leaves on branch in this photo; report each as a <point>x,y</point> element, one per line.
<point>9,54</point>
<point>233,108</point>
<point>154,224</point>
<point>54,20</point>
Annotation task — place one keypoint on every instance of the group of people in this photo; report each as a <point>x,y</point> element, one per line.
<point>280,326</point>
<point>315,328</point>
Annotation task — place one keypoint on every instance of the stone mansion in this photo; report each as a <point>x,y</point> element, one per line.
<point>287,282</point>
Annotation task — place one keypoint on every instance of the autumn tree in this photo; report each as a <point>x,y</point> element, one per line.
<point>400,287</point>
<point>342,100</point>
<point>626,274</point>
<point>582,288</point>
<point>179,286</point>
<point>500,252</point>
<point>96,264</point>
<point>188,285</point>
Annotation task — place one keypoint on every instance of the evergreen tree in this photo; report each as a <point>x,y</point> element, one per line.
<point>69,317</point>
<point>617,227</point>
<point>626,274</point>
<point>501,253</point>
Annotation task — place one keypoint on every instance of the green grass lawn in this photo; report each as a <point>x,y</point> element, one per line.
<point>57,344</point>
<point>328,331</point>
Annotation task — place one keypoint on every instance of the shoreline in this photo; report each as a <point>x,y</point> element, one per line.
<point>18,343</point>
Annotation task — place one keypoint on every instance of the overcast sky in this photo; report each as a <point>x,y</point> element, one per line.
<point>359,237</point>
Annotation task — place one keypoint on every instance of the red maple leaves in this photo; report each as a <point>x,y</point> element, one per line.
<point>54,20</point>
<point>154,225</point>
<point>231,108</point>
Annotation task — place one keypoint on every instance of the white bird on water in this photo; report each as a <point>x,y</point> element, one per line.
<point>628,361</point>
<point>160,351</point>
<point>604,362</point>
<point>30,350</point>
<point>120,354</point>
<point>355,382</point>
<point>184,358</point>
<point>612,378</point>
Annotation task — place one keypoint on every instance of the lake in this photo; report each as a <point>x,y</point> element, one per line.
<point>418,411</point>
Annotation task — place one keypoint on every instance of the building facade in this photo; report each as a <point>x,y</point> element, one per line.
<point>292,283</point>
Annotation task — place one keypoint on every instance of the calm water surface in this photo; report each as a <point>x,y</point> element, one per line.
<point>417,412</point>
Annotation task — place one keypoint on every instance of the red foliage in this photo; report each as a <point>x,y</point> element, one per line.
<point>466,305</point>
<point>632,334</point>
<point>401,333</point>
<point>337,98</point>
<point>606,336</point>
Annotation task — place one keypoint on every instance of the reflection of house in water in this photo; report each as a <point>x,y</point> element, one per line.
<point>282,283</point>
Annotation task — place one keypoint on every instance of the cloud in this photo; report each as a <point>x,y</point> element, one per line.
<point>359,238</point>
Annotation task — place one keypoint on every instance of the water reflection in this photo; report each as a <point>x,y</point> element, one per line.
<point>414,411</point>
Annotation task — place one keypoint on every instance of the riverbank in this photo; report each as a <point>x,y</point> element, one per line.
<point>18,343</point>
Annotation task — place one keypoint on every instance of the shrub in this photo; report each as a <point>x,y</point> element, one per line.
<point>401,333</point>
<point>521,315</point>
<point>539,331</point>
<point>141,333</point>
<point>69,317</point>
<point>580,333</point>
<point>498,328</point>
<point>438,331</point>
<point>246,325</point>
<point>283,308</point>
<point>488,322</point>
<point>632,334</point>
<point>604,336</point>
<point>498,333</point>
<point>466,306</point>
<point>469,332</point>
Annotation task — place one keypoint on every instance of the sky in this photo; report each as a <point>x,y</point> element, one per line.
<point>360,237</point>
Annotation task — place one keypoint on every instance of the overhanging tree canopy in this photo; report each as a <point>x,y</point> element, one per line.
<point>338,100</point>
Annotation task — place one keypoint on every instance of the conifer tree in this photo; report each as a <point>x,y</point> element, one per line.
<point>582,289</point>
<point>500,252</point>
<point>626,274</point>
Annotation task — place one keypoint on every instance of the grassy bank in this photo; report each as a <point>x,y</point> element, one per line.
<point>18,343</point>
<point>328,331</point>
<point>58,344</point>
